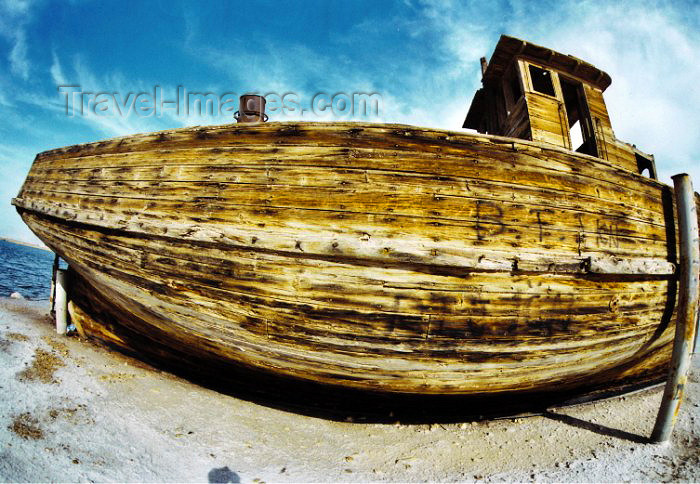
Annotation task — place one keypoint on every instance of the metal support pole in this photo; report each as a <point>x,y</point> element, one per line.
<point>686,312</point>
<point>696,345</point>
<point>52,297</point>
<point>61,303</point>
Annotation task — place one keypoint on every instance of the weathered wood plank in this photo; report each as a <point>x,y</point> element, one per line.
<point>340,233</point>
<point>512,159</point>
<point>216,178</point>
<point>432,206</point>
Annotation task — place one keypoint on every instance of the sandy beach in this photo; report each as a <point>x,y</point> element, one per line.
<point>74,411</point>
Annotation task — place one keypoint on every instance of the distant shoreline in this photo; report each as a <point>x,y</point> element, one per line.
<point>26,244</point>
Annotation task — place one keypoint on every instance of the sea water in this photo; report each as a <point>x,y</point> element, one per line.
<point>25,270</point>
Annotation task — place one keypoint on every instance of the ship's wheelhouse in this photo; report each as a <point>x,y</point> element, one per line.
<point>531,92</point>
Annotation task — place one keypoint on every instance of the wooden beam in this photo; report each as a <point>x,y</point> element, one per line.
<point>484,66</point>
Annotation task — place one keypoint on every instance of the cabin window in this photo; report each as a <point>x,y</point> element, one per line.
<point>580,127</point>
<point>541,80</point>
<point>647,164</point>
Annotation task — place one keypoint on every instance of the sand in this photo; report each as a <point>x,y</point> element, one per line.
<point>74,411</point>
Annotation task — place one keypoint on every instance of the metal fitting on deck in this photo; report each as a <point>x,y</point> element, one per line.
<point>251,109</point>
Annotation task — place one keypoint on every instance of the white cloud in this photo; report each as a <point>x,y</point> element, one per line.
<point>14,17</point>
<point>17,7</point>
<point>279,69</point>
<point>57,71</point>
<point>111,123</point>
<point>18,55</point>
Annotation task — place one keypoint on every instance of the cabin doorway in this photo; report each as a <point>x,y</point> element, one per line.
<point>581,134</point>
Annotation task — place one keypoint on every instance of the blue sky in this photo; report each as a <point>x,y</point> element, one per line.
<point>422,57</point>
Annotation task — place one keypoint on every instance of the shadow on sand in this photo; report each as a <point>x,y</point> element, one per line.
<point>223,475</point>
<point>596,428</point>
<point>349,405</point>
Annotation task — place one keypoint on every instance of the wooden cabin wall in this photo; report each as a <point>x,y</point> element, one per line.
<point>545,116</point>
<point>609,147</point>
<point>499,107</point>
<point>504,115</point>
<point>547,113</point>
<point>518,122</point>
<point>489,122</point>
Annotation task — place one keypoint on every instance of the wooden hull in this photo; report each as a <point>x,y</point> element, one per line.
<point>378,257</point>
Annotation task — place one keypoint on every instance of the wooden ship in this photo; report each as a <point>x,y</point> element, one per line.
<point>532,256</point>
